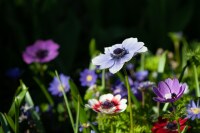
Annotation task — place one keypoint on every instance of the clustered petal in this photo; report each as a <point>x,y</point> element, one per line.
<point>169,90</point>
<point>88,77</point>
<point>55,86</point>
<point>41,51</point>
<point>115,56</point>
<point>108,104</point>
<point>193,110</point>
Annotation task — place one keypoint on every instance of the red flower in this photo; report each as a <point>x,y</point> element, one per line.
<point>164,126</point>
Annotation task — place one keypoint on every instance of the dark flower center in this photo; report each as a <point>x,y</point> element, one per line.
<point>174,96</point>
<point>42,53</point>
<point>119,52</point>
<point>107,105</point>
<point>172,126</point>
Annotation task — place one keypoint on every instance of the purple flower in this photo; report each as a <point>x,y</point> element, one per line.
<point>88,77</point>
<point>145,85</point>
<point>115,56</point>
<point>141,75</point>
<point>41,51</point>
<point>169,90</point>
<point>193,110</point>
<point>119,88</point>
<point>55,86</point>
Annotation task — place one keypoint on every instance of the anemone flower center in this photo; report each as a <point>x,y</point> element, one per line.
<point>60,87</point>
<point>171,126</point>
<point>170,96</point>
<point>119,52</point>
<point>42,53</point>
<point>89,78</point>
<point>107,105</point>
<point>195,110</point>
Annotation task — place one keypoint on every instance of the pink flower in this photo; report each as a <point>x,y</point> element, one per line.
<point>108,104</point>
<point>41,51</point>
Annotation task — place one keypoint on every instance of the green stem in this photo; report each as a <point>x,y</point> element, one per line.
<point>112,129</point>
<point>77,115</point>
<point>16,115</point>
<point>45,92</point>
<point>196,80</point>
<point>142,62</point>
<point>103,80</point>
<point>129,99</point>
<point>66,102</point>
<point>178,125</point>
<point>143,99</point>
<point>182,72</point>
<point>177,54</point>
<point>177,121</point>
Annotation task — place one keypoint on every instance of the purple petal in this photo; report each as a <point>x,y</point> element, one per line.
<point>163,88</point>
<point>156,91</point>
<point>158,99</point>
<point>193,104</point>
<point>175,86</point>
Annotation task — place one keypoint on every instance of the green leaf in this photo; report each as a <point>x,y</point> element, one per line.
<point>17,105</point>
<point>19,97</point>
<point>162,61</point>
<point>10,121</point>
<point>4,123</point>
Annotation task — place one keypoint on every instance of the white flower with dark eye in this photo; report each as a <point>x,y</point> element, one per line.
<point>116,55</point>
<point>108,104</point>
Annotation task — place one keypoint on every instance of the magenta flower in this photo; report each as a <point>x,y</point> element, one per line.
<point>88,77</point>
<point>41,51</point>
<point>169,90</point>
<point>116,56</point>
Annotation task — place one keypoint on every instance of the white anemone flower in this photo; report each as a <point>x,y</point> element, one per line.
<point>118,54</point>
<point>108,104</point>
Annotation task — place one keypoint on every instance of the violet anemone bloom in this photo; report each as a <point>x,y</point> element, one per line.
<point>141,75</point>
<point>169,90</point>
<point>41,51</point>
<point>88,77</point>
<point>108,104</point>
<point>193,110</point>
<point>116,55</point>
<point>56,87</point>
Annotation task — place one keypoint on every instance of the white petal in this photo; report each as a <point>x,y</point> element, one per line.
<point>130,40</point>
<point>143,49</point>
<point>117,98</point>
<point>115,47</point>
<point>98,60</point>
<point>92,102</point>
<point>123,101</point>
<point>105,97</point>
<point>122,107</point>
<point>116,67</point>
<point>107,50</point>
<point>133,46</point>
<point>127,57</point>
<point>107,64</point>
